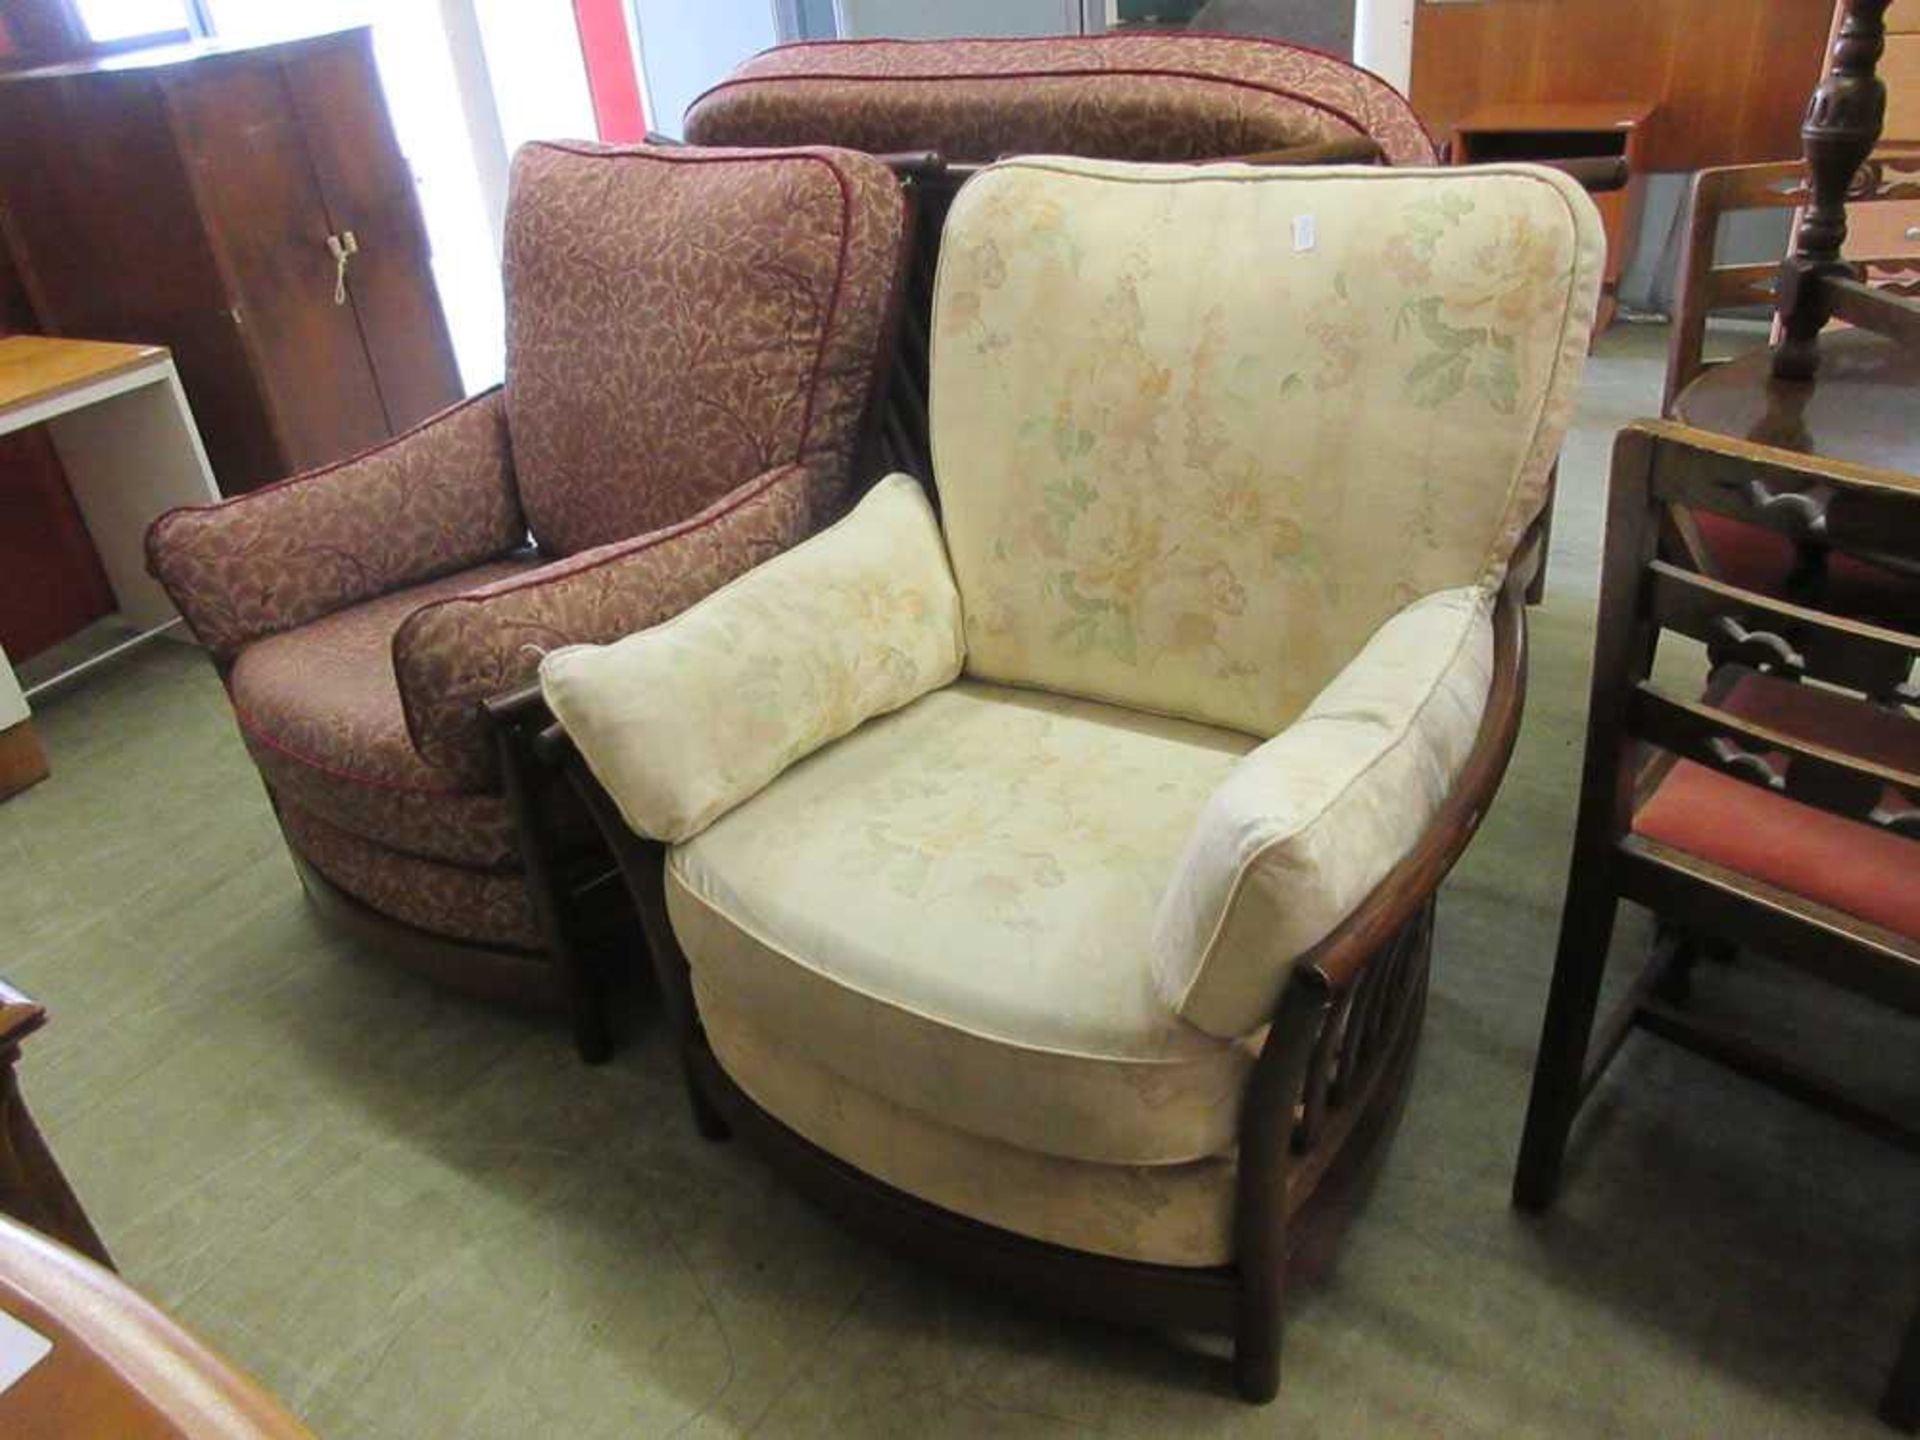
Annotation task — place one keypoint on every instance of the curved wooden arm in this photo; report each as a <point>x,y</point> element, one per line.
<point>1339,958</point>
<point>119,1366</point>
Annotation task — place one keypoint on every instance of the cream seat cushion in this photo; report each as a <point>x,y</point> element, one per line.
<point>952,907</point>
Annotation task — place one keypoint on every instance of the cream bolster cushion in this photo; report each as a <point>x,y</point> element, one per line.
<point>684,721</point>
<point>1307,824</point>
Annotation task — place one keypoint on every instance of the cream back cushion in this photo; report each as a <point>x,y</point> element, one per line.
<point>684,721</point>
<point>1199,430</point>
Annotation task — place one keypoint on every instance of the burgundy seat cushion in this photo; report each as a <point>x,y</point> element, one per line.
<point>1114,97</point>
<point>1847,865</point>
<point>1758,559</point>
<point>321,716</point>
<point>491,908</point>
<point>680,321</point>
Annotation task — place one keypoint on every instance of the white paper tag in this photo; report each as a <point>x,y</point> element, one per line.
<point>1302,233</point>
<point>21,1348</point>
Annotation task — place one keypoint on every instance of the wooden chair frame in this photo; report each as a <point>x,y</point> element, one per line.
<point>1323,1092</point>
<point>1656,465</point>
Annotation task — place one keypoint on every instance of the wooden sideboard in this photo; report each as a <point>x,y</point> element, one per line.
<point>1731,77</point>
<point>1594,130</point>
<point>199,197</point>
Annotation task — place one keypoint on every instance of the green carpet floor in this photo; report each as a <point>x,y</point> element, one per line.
<point>411,1216</point>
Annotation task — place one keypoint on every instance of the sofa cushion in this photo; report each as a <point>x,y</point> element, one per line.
<point>1159,1214</point>
<point>1143,96</point>
<point>680,320</point>
<point>320,714</point>
<point>1308,824</point>
<point>683,721</point>
<point>1202,501</point>
<point>952,907</point>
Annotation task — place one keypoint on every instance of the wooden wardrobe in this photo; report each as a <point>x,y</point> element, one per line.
<point>200,197</point>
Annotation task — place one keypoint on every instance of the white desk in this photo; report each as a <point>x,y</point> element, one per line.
<point>120,422</point>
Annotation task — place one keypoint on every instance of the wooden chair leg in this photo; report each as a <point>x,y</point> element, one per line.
<point>1901,1406</point>
<point>1260,1220</point>
<point>1676,981</point>
<point>592,1026</point>
<point>1586,930</point>
<point>707,1118</point>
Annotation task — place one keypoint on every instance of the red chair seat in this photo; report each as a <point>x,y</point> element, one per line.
<point>1763,560</point>
<point>1847,865</point>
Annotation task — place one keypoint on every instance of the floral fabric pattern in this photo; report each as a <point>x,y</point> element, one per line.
<point>450,655</point>
<point>680,319</point>
<point>1118,97</point>
<point>437,499</point>
<point>321,716</point>
<point>487,908</point>
<point>683,721</point>
<point>954,905</point>
<point>1200,499</point>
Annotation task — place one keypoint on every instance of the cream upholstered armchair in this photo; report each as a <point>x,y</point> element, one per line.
<point>1050,884</point>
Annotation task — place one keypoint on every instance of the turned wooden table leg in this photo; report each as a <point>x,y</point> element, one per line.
<point>1842,126</point>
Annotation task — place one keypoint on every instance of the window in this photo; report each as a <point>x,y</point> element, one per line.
<point>114,23</point>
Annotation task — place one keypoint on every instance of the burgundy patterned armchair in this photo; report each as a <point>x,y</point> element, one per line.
<point>693,340</point>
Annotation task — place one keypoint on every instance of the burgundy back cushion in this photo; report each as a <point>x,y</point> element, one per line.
<point>682,320</point>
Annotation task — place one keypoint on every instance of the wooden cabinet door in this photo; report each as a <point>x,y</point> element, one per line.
<point>254,182</point>
<point>110,246</point>
<point>369,189</point>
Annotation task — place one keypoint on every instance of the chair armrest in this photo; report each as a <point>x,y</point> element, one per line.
<point>436,499</point>
<point>453,655</point>
<point>1308,824</point>
<point>683,722</point>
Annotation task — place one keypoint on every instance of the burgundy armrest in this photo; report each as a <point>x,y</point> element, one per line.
<point>434,500</point>
<point>453,655</point>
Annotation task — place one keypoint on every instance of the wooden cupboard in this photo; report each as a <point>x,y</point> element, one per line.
<point>201,197</point>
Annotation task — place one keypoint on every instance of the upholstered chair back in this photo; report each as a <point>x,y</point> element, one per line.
<point>1194,469</point>
<point>680,320</point>
<point>1138,96</point>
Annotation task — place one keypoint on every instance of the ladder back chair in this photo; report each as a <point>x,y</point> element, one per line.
<point>1779,811</point>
